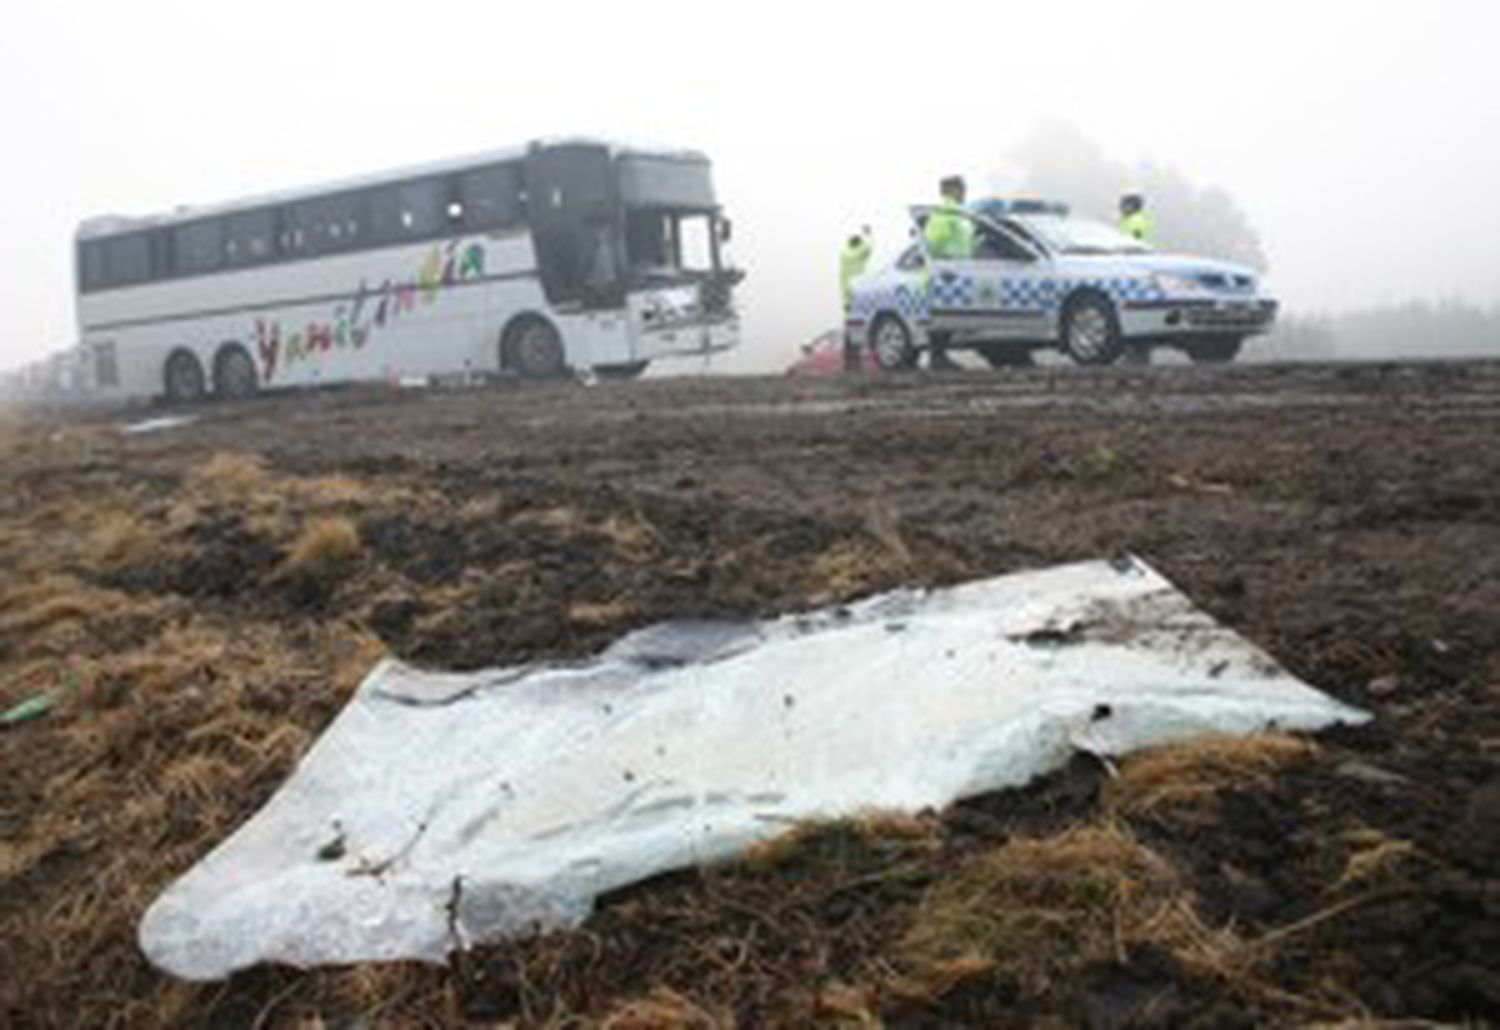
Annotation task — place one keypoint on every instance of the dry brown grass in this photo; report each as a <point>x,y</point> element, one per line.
<point>592,615</point>
<point>664,1009</point>
<point>1375,859</point>
<point>565,521</point>
<point>1194,771</point>
<point>840,842</point>
<point>336,492</point>
<point>229,475</point>
<point>851,567</point>
<point>51,603</point>
<point>631,535</point>
<point>876,559</point>
<point>1035,910</point>
<point>120,539</point>
<point>176,737</point>
<point>325,548</point>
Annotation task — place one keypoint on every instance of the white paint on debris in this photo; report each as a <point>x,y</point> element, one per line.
<point>158,425</point>
<point>442,810</point>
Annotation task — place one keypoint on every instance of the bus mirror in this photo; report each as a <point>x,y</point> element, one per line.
<point>726,230</point>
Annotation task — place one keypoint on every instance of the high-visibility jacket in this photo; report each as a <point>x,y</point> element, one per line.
<point>1139,226</point>
<point>853,261</point>
<point>950,235</point>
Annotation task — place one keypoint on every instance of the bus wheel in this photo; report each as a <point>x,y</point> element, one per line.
<point>183,378</point>
<point>632,370</point>
<point>533,348</point>
<point>234,374</point>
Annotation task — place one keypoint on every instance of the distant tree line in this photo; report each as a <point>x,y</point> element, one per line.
<point>1058,162</point>
<point>1445,329</point>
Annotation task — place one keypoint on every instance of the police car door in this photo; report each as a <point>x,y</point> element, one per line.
<point>992,294</point>
<point>1012,290</point>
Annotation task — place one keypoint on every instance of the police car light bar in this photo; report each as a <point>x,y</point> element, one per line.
<point>1019,206</point>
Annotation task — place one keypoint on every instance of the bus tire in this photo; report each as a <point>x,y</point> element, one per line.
<point>620,373</point>
<point>1091,329</point>
<point>182,378</point>
<point>532,347</point>
<point>235,377</point>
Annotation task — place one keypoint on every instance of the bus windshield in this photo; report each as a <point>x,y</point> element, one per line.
<point>663,243</point>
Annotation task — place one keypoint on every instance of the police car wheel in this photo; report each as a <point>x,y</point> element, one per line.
<point>1091,332</point>
<point>183,378</point>
<point>890,341</point>
<point>1213,352</point>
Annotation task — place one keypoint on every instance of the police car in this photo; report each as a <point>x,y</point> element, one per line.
<point>1040,278</point>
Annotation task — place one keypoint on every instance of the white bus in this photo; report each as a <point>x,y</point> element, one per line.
<point>533,261</point>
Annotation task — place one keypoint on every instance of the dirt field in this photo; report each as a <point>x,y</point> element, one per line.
<point>200,601</point>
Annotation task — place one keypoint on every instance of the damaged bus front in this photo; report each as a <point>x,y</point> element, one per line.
<point>636,240</point>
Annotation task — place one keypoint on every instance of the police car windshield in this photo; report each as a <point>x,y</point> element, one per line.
<point>1080,235</point>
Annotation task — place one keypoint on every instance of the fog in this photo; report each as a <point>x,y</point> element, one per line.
<point>1359,141</point>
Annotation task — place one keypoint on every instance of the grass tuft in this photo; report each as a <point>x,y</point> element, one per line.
<point>1033,911</point>
<point>326,549</point>
<point>1195,771</point>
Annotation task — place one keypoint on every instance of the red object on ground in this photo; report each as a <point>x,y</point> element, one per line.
<point>824,356</point>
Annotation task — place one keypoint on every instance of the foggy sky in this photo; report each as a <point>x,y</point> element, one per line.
<point>1361,140</point>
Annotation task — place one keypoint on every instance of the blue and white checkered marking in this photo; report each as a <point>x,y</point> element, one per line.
<point>959,292</point>
<point>908,300</point>
<point>953,291</point>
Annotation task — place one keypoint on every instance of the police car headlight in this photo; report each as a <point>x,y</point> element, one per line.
<point>1178,285</point>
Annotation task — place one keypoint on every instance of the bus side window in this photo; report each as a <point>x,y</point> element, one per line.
<point>334,223</point>
<point>420,208</point>
<point>490,198</point>
<point>248,237</point>
<point>293,238</point>
<point>127,259</point>
<point>91,265</point>
<point>407,211</point>
<point>199,246</point>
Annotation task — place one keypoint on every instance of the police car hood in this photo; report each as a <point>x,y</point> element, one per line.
<point>1170,264</point>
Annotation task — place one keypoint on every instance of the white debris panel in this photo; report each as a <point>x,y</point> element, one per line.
<point>439,810</point>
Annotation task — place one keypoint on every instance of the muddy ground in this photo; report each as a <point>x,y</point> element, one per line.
<point>197,603</point>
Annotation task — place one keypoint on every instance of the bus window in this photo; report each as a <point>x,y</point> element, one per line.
<point>127,259</point>
<point>198,246</point>
<point>490,198</point>
<point>407,211</point>
<point>335,223</point>
<point>669,241</point>
<point>292,241</point>
<point>90,265</point>
<point>248,237</point>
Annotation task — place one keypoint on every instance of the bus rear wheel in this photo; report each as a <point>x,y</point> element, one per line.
<point>533,348</point>
<point>234,374</point>
<point>183,378</point>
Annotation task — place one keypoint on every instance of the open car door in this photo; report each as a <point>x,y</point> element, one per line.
<point>1000,291</point>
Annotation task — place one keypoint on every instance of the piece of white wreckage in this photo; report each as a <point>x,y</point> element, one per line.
<point>439,811</point>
